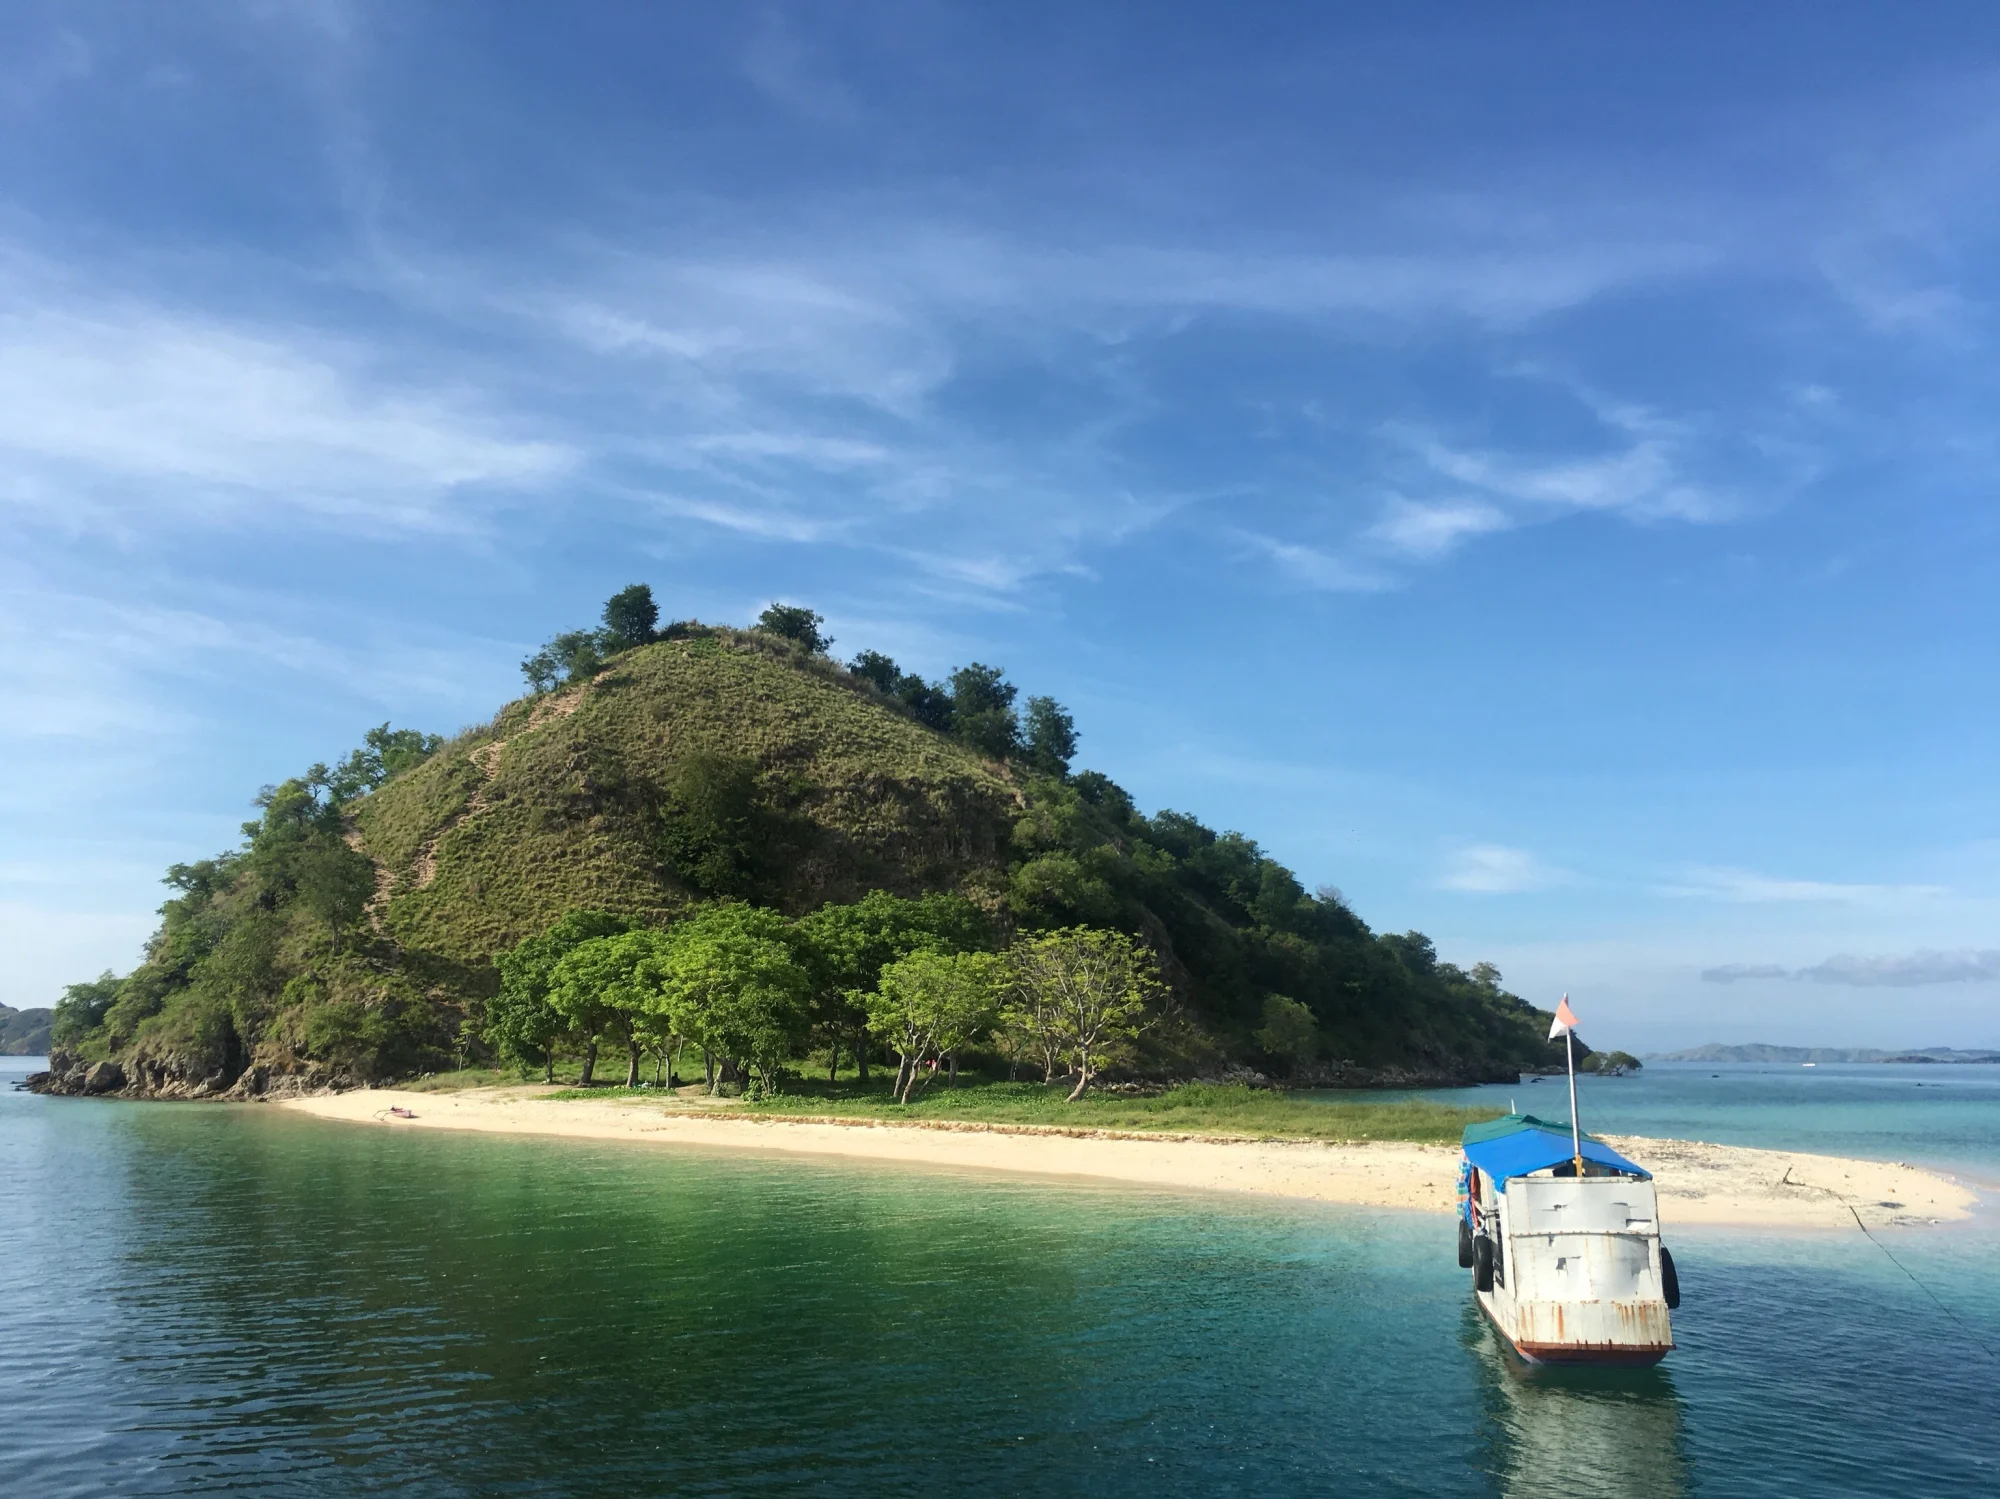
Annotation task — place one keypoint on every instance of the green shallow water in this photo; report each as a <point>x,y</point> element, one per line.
<point>204,1299</point>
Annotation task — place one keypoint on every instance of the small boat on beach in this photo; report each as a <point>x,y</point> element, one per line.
<point>1562,1236</point>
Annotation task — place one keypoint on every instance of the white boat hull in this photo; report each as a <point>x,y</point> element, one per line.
<point>1578,1278</point>
<point>1626,1333</point>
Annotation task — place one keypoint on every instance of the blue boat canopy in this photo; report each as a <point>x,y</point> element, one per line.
<point>1518,1144</point>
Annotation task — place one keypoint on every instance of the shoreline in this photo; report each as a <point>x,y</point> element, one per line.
<point>1699,1185</point>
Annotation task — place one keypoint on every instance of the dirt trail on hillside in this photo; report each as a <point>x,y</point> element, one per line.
<point>487,758</point>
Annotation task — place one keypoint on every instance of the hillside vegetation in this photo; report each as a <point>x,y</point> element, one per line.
<point>657,775</point>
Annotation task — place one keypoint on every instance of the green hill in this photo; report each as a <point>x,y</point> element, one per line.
<point>566,801</point>
<point>353,934</point>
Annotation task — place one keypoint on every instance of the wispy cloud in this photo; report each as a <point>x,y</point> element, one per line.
<point>1743,887</point>
<point>1495,869</point>
<point>770,523</point>
<point>92,670</point>
<point>1424,532</point>
<point>1898,971</point>
<point>124,407</point>
<point>1641,479</point>
<point>1316,568</point>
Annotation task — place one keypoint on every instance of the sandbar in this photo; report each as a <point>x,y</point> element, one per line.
<point>1700,1185</point>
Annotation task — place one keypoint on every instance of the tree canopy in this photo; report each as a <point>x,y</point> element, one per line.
<point>1082,995</point>
<point>631,618</point>
<point>795,622</point>
<point>384,752</point>
<point>847,945</point>
<point>930,1004</point>
<point>732,983</point>
<point>612,983</point>
<point>521,1021</point>
<point>715,828</point>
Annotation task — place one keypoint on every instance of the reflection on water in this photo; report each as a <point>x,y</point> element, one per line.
<point>1576,1432</point>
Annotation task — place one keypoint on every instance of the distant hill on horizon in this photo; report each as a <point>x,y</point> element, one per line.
<point>24,1033</point>
<point>1760,1052</point>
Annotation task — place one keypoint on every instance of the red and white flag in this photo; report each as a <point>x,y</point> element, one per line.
<point>1565,1020</point>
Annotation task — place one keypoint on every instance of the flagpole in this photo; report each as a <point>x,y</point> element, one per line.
<point>1575,1128</point>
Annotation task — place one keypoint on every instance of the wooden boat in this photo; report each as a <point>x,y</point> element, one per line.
<point>1562,1235</point>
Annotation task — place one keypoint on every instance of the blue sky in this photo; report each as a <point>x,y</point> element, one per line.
<point>1532,468</point>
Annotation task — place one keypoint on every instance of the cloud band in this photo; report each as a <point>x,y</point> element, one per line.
<point>1903,971</point>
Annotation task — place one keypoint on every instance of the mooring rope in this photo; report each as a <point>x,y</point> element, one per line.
<point>1963,1326</point>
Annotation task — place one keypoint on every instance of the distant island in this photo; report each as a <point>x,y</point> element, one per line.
<point>24,1033</point>
<point>721,849</point>
<point>1757,1052</point>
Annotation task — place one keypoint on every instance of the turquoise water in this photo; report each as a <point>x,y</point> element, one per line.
<point>1938,1115</point>
<point>202,1298</point>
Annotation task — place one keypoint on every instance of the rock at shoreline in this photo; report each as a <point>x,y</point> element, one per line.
<point>177,1076</point>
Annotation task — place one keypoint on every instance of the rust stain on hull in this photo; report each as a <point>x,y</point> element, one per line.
<point>1644,1347</point>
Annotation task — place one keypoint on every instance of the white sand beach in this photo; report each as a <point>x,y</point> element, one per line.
<point>1699,1184</point>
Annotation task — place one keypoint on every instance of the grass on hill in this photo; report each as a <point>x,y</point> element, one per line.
<point>555,806</point>
<point>1192,1108</point>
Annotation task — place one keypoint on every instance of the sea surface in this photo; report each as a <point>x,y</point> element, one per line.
<point>202,1299</point>
<point>1935,1114</point>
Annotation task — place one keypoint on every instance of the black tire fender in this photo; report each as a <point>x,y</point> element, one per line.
<point>1670,1281</point>
<point>1482,1264</point>
<point>1464,1244</point>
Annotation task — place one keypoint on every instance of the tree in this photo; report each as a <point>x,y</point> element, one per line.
<point>630,618</point>
<point>981,689</point>
<point>931,1003</point>
<point>1289,1030</point>
<point>1051,736</point>
<point>81,1010</point>
<point>845,948</point>
<point>335,883</point>
<point>612,983</point>
<point>297,853</point>
<point>384,752</point>
<point>982,710</point>
<point>1416,950</point>
<point>574,655</point>
<point>714,825</point>
<point>542,671</point>
<point>873,666</point>
<point>520,1023</point>
<point>732,983</point>
<point>928,703</point>
<point>523,1026</point>
<point>795,622</point>
<point>1082,993</point>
